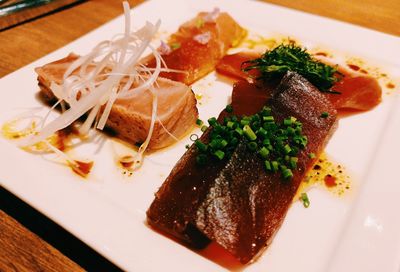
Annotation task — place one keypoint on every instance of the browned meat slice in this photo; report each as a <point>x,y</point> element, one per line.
<point>235,202</point>
<point>130,118</point>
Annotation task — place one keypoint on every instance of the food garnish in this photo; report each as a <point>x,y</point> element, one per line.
<point>277,143</point>
<point>291,57</point>
<point>92,84</point>
<point>306,201</point>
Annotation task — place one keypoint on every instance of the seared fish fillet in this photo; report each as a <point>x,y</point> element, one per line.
<point>236,202</point>
<point>198,45</point>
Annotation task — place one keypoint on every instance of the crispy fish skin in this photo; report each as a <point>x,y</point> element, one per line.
<point>196,59</point>
<point>236,203</point>
<point>130,119</point>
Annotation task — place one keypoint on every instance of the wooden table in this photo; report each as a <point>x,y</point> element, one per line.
<point>23,250</point>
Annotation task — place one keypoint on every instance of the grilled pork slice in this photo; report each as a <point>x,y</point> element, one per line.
<point>198,45</point>
<point>236,202</point>
<point>130,119</point>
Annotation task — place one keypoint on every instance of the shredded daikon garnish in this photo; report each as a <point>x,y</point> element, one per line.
<point>92,83</point>
<point>164,48</point>
<point>203,38</point>
<point>212,16</point>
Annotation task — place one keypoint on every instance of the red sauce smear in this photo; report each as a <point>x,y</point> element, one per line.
<point>63,136</point>
<point>81,168</point>
<point>330,181</point>
<point>354,67</point>
<point>390,85</point>
<point>126,161</point>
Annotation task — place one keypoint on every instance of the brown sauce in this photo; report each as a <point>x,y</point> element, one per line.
<point>326,174</point>
<point>330,181</point>
<point>353,67</point>
<point>81,168</point>
<point>390,85</point>
<point>321,54</point>
<point>126,161</point>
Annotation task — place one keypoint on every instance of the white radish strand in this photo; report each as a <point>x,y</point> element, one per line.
<point>75,88</point>
<point>92,84</point>
<point>138,159</point>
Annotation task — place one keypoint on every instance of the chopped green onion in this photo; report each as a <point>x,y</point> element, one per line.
<point>244,122</point>
<point>287,122</point>
<point>212,121</point>
<point>223,143</point>
<point>311,155</point>
<point>268,165</point>
<point>293,162</point>
<point>278,143</point>
<point>290,131</point>
<point>229,108</point>
<point>215,143</point>
<point>234,141</point>
<point>268,118</point>
<point>239,131</point>
<point>287,173</point>
<point>201,159</point>
<point>199,122</point>
<point>252,146</point>
<point>219,154</point>
<point>287,149</point>
<point>262,132</point>
<point>187,146</point>
<point>201,146</point>
<point>230,124</point>
<point>263,152</point>
<point>266,142</point>
<point>249,133</point>
<point>306,201</point>
<point>266,111</point>
<point>275,166</point>
<point>324,114</point>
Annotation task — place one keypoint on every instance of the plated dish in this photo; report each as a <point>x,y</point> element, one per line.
<point>211,106</point>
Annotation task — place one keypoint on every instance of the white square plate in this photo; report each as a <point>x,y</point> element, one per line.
<point>107,211</point>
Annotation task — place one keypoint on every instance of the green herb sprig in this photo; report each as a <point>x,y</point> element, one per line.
<point>290,57</point>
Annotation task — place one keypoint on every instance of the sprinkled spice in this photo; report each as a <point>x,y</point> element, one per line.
<point>327,174</point>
